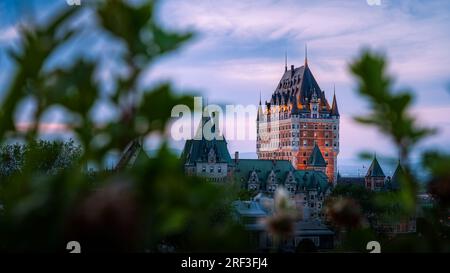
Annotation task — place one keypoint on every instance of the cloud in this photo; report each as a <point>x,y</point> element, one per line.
<point>45,128</point>
<point>9,34</point>
<point>413,34</point>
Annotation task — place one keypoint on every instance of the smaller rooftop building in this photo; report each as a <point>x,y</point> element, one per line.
<point>375,176</point>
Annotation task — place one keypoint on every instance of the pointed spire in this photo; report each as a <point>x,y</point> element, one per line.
<point>306,54</point>
<point>285,60</point>
<point>397,176</point>
<point>260,112</point>
<point>375,169</point>
<point>334,107</point>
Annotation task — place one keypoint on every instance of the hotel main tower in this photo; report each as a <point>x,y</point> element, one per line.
<point>298,124</point>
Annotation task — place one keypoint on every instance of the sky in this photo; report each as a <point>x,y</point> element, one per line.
<point>239,49</point>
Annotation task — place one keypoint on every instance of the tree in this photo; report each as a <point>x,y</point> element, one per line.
<point>390,113</point>
<point>143,209</point>
<point>47,157</point>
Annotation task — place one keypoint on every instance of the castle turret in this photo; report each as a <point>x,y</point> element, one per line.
<point>375,176</point>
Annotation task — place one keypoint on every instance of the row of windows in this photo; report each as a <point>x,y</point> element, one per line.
<point>276,144</point>
<point>211,169</point>
<point>273,187</point>
<point>315,126</point>
<point>286,114</point>
<point>325,154</point>
<point>276,154</point>
<point>304,126</point>
<point>377,184</point>
<point>304,162</point>
<point>296,135</point>
<point>306,142</point>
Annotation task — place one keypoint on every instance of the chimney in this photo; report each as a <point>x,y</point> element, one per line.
<point>236,157</point>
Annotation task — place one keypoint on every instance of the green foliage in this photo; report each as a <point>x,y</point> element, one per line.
<point>46,157</point>
<point>390,113</point>
<point>151,207</point>
<point>363,196</point>
<point>389,108</point>
<point>246,194</point>
<point>439,184</point>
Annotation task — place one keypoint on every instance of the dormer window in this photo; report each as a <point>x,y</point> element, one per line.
<point>212,156</point>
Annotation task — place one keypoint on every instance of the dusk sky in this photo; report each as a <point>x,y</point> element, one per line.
<point>239,49</point>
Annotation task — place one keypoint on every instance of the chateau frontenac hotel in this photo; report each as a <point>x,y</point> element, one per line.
<point>297,148</point>
<point>299,124</point>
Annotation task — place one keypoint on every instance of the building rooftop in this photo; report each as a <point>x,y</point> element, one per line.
<point>375,169</point>
<point>316,158</point>
<point>199,149</point>
<point>298,86</point>
<point>305,179</point>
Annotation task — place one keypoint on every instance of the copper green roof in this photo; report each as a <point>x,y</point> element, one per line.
<point>196,150</point>
<point>396,177</point>
<point>316,159</point>
<point>375,169</point>
<point>305,179</point>
<point>262,167</point>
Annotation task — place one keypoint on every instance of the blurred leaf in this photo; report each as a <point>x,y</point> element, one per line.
<point>389,109</point>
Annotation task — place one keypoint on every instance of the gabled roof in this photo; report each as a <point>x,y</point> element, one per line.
<point>263,168</point>
<point>316,159</point>
<point>375,169</point>
<point>196,150</point>
<point>397,176</point>
<point>305,179</point>
<point>300,83</point>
